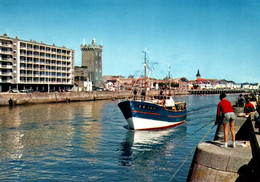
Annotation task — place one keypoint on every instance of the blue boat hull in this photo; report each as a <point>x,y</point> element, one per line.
<point>148,116</point>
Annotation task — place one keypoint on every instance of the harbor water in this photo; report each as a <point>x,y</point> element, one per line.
<point>88,141</point>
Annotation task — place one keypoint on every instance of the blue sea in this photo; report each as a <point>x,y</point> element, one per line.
<point>88,141</point>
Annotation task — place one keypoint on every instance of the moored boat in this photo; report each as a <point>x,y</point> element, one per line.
<point>145,115</point>
<point>157,113</point>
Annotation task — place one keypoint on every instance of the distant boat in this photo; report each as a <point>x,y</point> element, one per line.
<point>157,113</point>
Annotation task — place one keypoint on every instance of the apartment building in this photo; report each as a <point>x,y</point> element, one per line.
<point>33,65</point>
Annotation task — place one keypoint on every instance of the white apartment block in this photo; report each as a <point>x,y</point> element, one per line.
<point>32,65</point>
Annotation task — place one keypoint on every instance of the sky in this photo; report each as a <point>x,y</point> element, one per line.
<point>221,38</point>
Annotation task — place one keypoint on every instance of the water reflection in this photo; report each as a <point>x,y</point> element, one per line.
<point>143,150</point>
<point>52,128</point>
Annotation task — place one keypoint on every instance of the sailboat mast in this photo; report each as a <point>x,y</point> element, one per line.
<point>145,74</point>
<point>169,79</point>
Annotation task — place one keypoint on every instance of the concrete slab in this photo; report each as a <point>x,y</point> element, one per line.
<point>213,155</point>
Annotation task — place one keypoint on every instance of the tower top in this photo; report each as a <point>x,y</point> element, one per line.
<point>93,41</point>
<point>198,74</point>
<point>91,47</point>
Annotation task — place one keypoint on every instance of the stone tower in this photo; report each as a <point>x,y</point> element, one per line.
<point>92,61</point>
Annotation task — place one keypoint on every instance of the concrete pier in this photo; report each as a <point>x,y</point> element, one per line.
<point>213,162</point>
<point>215,91</point>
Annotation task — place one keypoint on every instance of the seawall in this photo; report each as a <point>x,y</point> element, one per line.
<point>9,99</point>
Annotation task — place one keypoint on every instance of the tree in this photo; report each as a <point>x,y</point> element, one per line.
<point>174,84</point>
<point>195,86</point>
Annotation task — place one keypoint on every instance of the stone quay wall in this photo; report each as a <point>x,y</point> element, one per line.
<point>10,99</point>
<point>213,162</point>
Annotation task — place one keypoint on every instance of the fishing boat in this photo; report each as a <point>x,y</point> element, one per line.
<point>157,112</point>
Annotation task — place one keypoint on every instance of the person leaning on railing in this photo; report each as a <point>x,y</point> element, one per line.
<point>257,119</point>
<point>249,107</point>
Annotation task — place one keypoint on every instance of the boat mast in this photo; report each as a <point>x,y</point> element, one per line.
<point>169,80</point>
<point>145,74</point>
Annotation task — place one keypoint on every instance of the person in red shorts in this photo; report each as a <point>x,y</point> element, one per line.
<point>225,109</point>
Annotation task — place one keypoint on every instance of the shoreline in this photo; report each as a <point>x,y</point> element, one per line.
<point>14,99</point>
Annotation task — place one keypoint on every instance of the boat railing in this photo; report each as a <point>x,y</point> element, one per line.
<point>161,100</point>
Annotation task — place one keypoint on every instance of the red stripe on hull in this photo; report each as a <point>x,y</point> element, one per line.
<point>175,116</point>
<point>146,112</point>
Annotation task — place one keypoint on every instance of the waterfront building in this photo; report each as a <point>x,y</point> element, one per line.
<point>92,61</point>
<point>82,79</point>
<point>36,66</point>
<point>201,83</point>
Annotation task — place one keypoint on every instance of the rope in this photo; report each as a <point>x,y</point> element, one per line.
<point>235,101</point>
<point>203,126</point>
<point>190,154</point>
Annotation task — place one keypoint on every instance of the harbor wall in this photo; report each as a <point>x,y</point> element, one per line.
<point>213,162</point>
<point>7,99</point>
<point>10,99</point>
<point>215,91</point>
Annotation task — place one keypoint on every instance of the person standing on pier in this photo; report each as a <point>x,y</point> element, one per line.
<point>228,116</point>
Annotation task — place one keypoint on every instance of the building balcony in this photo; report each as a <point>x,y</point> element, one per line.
<point>6,73</point>
<point>6,80</point>
<point>6,66</point>
<point>5,52</point>
<point>2,44</point>
<point>6,59</point>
